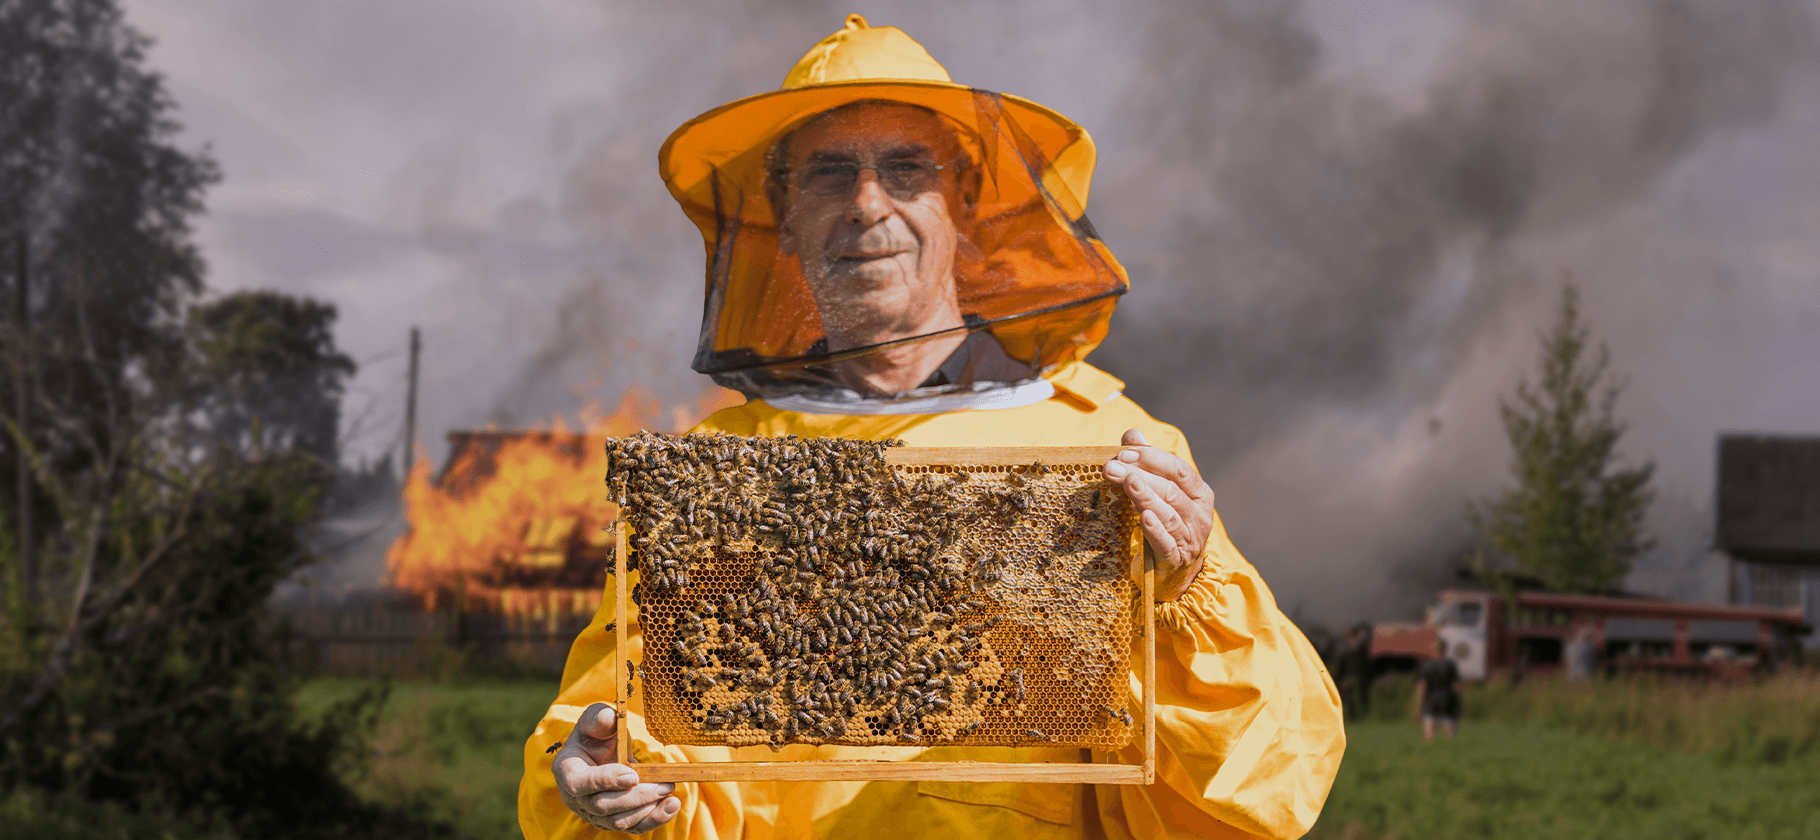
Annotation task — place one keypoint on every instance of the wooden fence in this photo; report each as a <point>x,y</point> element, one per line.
<point>372,639</point>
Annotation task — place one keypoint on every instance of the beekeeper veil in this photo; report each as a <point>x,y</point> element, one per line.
<point>871,203</point>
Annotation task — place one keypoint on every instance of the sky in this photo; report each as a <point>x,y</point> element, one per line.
<point>1346,224</point>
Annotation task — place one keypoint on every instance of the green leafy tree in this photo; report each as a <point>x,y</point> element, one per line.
<point>1574,522</point>
<point>267,374</point>
<point>151,673</point>
<point>96,202</point>
<point>178,450</point>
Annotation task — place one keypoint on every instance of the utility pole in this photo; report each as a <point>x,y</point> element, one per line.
<point>28,560</point>
<point>410,409</point>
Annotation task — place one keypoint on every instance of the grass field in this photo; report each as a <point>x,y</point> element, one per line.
<point>1769,720</point>
<point>1630,759</point>
<point>455,747</point>
<point>1524,780</point>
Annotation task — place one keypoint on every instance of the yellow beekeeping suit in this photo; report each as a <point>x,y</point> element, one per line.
<point>1248,721</point>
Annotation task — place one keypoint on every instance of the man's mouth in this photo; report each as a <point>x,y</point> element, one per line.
<point>856,260</point>
<point>857,257</point>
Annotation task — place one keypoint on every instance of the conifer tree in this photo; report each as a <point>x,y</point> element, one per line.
<point>1574,522</point>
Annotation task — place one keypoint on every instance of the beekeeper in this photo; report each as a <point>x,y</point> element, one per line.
<point>893,255</point>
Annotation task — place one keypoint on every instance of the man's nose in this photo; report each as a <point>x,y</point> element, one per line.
<point>870,201</point>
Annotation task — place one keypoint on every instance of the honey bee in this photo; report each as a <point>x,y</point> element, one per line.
<point>1021,501</point>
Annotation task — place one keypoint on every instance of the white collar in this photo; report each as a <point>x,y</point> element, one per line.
<point>1007,395</point>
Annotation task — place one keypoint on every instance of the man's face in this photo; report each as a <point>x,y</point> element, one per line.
<point>870,210</point>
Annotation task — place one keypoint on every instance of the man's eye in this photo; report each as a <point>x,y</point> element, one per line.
<point>830,171</point>
<point>908,167</point>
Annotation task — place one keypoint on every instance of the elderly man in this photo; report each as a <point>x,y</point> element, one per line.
<point>892,255</point>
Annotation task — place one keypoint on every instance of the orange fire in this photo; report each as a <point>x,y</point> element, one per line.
<point>517,523</point>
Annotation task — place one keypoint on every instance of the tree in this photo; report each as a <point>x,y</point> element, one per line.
<point>179,451</point>
<point>150,674</point>
<point>1574,522</point>
<point>268,374</point>
<point>95,208</point>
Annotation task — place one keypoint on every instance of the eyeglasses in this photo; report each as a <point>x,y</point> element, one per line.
<point>901,177</point>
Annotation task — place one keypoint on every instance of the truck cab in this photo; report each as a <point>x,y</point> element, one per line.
<point>1460,618</point>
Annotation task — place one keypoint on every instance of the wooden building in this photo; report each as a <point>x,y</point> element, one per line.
<point>1768,509</point>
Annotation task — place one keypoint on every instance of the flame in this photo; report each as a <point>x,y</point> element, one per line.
<point>517,523</point>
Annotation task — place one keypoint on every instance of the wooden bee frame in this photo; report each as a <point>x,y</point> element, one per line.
<point>1142,567</point>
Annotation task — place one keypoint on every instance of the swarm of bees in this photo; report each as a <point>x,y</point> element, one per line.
<point>802,590</point>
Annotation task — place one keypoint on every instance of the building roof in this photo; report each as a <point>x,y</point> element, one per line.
<point>1769,498</point>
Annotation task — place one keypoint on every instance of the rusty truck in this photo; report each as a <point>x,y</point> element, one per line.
<point>1486,634</point>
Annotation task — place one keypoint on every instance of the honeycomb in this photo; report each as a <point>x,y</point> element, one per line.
<point>804,590</point>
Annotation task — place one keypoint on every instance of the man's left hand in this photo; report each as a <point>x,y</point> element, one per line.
<point>1175,509</point>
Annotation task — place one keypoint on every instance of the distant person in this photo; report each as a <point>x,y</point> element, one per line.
<point>1582,655</point>
<point>1438,693</point>
<point>1353,672</point>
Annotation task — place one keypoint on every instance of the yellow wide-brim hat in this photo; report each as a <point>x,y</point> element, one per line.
<point>1037,167</point>
<point>855,64</point>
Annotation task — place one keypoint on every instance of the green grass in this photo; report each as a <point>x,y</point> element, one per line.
<point>1524,780</point>
<point>454,747</point>
<point>1544,759</point>
<point>1768,720</point>
<point>27,814</point>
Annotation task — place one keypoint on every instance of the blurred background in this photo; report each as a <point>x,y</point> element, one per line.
<point>1350,229</point>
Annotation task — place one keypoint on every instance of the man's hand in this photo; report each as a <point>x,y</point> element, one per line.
<point>1175,509</point>
<point>606,794</point>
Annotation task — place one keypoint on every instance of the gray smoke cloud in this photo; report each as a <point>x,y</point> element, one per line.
<point>1331,205</point>
<point>1352,255</point>
<point>1362,250</point>
<point>1345,223</point>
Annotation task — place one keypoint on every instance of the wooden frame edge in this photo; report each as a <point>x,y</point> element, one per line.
<point>622,615</point>
<point>997,456</point>
<point>903,771</point>
<point>1149,628</point>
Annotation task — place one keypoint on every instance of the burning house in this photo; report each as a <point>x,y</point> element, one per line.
<point>504,560</point>
<point>517,523</point>
<point>506,553</point>
<point>514,526</point>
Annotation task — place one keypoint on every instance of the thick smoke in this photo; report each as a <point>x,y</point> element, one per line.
<point>1329,206</point>
<point>1345,224</point>
<point>1337,266</point>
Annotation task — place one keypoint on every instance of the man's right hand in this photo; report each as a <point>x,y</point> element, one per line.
<point>606,794</point>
